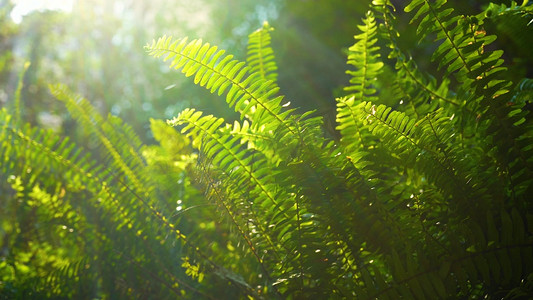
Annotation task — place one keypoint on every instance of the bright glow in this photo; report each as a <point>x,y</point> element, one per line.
<point>24,7</point>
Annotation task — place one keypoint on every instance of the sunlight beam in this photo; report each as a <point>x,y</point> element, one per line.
<point>24,7</point>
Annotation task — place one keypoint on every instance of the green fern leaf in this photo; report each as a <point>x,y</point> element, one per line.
<point>245,170</point>
<point>117,138</point>
<point>416,92</point>
<point>364,56</point>
<point>260,56</point>
<point>248,94</point>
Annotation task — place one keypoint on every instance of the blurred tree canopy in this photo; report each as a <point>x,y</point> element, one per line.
<point>97,49</point>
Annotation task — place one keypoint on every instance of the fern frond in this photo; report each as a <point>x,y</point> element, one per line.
<point>462,47</point>
<point>82,173</point>
<point>436,157</point>
<point>118,206</point>
<point>253,196</point>
<point>250,95</point>
<point>117,138</point>
<point>435,18</point>
<point>260,56</point>
<point>364,55</point>
<point>523,93</point>
<point>240,215</point>
<point>353,136</point>
<point>246,169</point>
<point>512,24</point>
<point>226,153</point>
<point>416,91</point>
<point>463,50</point>
<point>247,94</point>
<point>496,254</point>
<point>507,120</point>
<point>71,278</point>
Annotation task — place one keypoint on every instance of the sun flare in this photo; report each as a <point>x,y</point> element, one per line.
<point>24,7</point>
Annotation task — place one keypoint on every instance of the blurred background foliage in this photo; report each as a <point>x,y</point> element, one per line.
<point>96,48</point>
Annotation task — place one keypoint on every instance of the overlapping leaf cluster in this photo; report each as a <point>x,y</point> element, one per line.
<point>77,227</point>
<point>424,195</point>
<point>425,198</point>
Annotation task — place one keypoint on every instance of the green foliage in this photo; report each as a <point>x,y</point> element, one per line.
<point>62,206</point>
<point>260,55</point>
<point>507,22</point>
<point>424,195</point>
<point>429,201</point>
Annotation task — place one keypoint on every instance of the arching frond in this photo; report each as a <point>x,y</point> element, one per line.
<point>246,93</point>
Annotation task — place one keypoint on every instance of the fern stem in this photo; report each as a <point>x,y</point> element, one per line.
<point>433,94</point>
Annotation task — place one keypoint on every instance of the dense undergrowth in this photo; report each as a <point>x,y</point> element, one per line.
<point>426,194</point>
